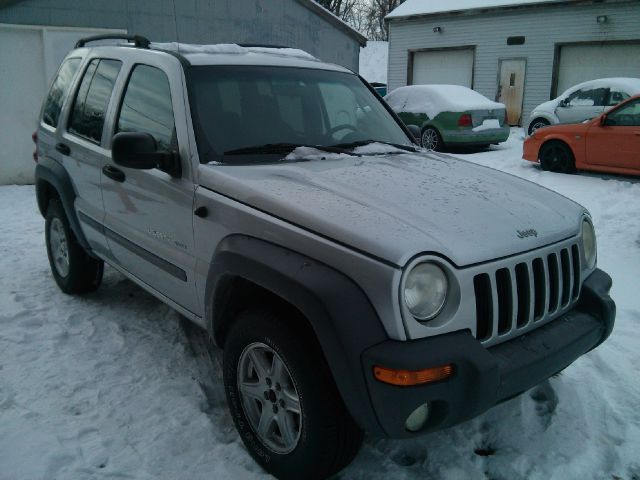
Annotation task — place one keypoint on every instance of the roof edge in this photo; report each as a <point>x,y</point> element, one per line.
<point>475,10</point>
<point>334,20</point>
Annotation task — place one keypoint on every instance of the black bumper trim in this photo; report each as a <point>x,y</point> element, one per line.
<point>486,376</point>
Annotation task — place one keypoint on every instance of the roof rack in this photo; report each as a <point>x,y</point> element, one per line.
<point>137,40</point>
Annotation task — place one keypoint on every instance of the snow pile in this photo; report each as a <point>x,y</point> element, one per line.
<point>487,125</point>
<point>373,61</point>
<point>435,99</point>
<point>231,49</point>
<point>310,153</point>
<point>107,385</point>
<point>429,7</point>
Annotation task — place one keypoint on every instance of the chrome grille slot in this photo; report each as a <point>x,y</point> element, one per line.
<point>515,296</point>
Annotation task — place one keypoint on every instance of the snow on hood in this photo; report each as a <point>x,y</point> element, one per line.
<point>630,86</point>
<point>310,153</point>
<point>397,206</point>
<point>231,49</point>
<point>435,99</point>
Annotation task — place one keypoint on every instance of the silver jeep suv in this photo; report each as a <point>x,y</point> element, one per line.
<point>353,281</point>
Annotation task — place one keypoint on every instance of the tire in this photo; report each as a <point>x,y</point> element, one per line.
<point>73,269</point>
<point>556,156</point>
<point>431,139</point>
<point>538,123</point>
<point>322,438</point>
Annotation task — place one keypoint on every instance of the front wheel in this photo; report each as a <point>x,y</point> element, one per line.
<point>537,124</point>
<point>283,400</point>
<point>557,157</point>
<point>431,139</point>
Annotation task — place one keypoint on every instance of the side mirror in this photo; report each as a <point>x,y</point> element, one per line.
<point>415,131</point>
<point>140,151</point>
<point>564,103</point>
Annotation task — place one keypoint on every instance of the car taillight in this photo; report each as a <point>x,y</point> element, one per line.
<point>34,137</point>
<point>465,120</point>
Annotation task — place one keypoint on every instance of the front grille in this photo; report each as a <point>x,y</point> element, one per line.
<point>512,298</point>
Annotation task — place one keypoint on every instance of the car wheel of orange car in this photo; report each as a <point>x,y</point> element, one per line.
<point>557,157</point>
<point>537,124</point>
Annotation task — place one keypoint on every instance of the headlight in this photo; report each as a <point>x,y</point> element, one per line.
<point>425,291</point>
<point>589,243</point>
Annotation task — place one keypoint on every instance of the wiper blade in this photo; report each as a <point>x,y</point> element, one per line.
<point>283,148</point>
<point>362,143</point>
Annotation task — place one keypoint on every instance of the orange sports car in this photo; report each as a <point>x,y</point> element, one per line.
<point>608,143</point>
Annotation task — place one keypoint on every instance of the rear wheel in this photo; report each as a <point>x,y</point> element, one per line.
<point>431,139</point>
<point>557,157</point>
<point>538,123</point>
<point>283,400</point>
<point>73,269</point>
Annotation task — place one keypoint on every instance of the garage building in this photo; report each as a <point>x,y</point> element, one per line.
<point>518,52</point>
<point>36,34</point>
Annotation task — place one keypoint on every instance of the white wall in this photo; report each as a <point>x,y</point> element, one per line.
<point>29,58</point>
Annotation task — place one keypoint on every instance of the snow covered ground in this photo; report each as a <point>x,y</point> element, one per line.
<point>108,386</point>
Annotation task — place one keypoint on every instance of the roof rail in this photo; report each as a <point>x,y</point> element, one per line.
<point>137,40</point>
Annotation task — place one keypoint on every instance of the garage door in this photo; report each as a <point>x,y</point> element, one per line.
<point>32,56</point>
<point>579,63</point>
<point>453,67</point>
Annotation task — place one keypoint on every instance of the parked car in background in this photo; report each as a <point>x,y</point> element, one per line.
<point>381,88</point>
<point>608,143</point>
<point>583,102</point>
<point>450,115</point>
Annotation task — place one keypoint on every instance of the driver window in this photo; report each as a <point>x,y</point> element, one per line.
<point>594,97</point>
<point>340,104</point>
<point>626,116</point>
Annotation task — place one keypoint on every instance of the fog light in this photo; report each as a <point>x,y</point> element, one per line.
<point>416,421</point>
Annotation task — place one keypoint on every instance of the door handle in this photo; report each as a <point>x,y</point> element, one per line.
<point>113,173</point>
<point>63,148</point>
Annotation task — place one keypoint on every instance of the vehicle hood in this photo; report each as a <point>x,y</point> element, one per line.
<point>396,206</point>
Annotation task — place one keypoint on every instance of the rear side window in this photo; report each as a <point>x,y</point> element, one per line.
<point>59,91</point>
<point>90,106</point>
<point>146,106</point>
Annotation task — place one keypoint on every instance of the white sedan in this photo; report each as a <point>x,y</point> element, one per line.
<point>583,102</point>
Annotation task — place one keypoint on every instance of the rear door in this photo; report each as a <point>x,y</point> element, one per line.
<point>617,143</point>
<point>149,213</point>
<point>585,104</point>
<point>80,144</point>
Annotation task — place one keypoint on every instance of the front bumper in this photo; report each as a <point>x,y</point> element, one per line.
<point>531,149</point>
<point>483,376</point>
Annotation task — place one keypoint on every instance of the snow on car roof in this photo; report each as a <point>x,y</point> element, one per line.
<point>435,99</point>
<point>231,53</point>
<point>628,85</point>
<point>429,7</point>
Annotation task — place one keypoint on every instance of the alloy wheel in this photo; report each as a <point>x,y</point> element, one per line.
<point>430,139</point>
<point>59,247</point>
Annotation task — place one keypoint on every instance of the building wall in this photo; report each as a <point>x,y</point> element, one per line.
<point>543,26</point>
<point>278,22</point>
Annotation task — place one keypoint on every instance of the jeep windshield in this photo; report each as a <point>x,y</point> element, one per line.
<point>254,114</point>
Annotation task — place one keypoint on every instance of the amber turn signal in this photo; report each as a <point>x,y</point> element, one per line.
<point>407,378</point>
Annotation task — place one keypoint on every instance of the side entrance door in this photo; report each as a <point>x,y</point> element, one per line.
<point>511,88</point>
<point>149,213</point>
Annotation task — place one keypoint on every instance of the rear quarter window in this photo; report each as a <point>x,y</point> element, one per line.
<point>59,91</point>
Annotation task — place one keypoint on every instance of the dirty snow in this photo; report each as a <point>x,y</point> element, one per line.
<point>435,99</point>
<point>374,60</point>
<point>107,385</point>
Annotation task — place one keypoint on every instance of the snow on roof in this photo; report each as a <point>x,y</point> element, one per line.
<point>430,7</point>
<point>232,49</point>
<point>435,99</point>
<point>373,61</point>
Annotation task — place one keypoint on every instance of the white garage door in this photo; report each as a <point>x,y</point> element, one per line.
<point>453,67</point>
<point>29,58</point>
<point>579,63</point>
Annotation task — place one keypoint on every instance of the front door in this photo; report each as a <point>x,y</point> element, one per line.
<point>616,143</point>
<point>511,88</point>
<point>149,213</point>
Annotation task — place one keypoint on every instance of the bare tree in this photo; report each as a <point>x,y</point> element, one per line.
<point>340,8</point>
<point>376,27</point>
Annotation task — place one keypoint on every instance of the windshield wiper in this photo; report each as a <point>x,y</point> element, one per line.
<point>361,143</point>
<point>283,148</point>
